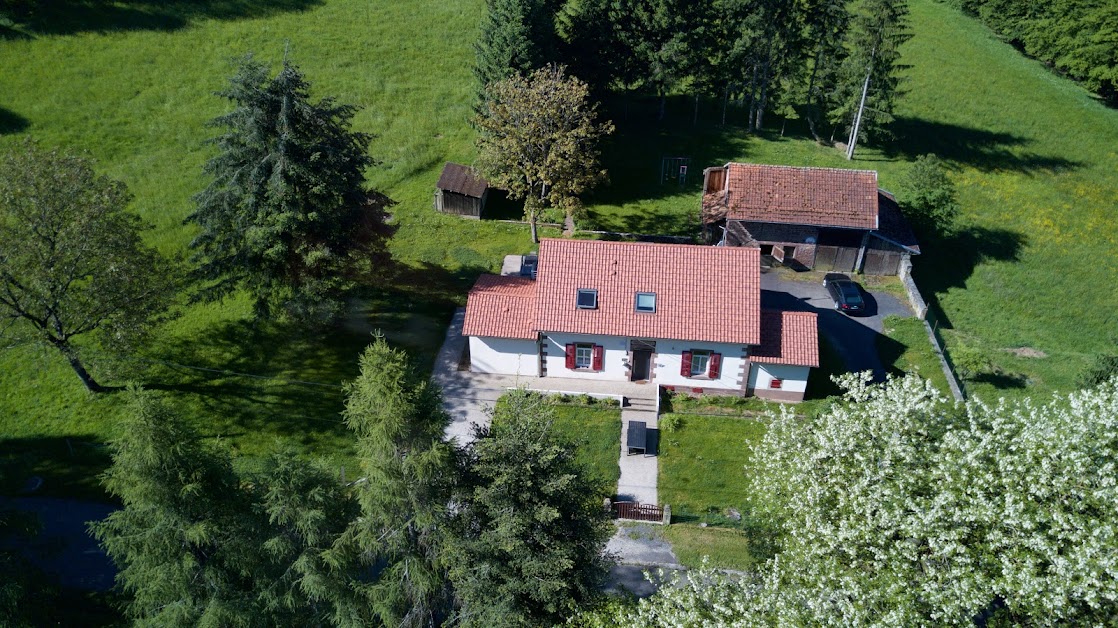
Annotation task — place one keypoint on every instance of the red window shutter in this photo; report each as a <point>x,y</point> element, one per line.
<point>570,356</point>
<point>685,364</point>
<point>596,358</point>
<point>715,365</point>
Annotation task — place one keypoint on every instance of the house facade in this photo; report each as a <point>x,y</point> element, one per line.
<point>679,316</point>
<point>818,218</point>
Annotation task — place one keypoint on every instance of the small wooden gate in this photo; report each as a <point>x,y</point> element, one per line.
<point>635,511</point>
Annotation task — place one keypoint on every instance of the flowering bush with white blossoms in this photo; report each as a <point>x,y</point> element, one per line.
<point>897,508</point>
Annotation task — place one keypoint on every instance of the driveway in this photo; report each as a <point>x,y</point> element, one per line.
<point>854,337</point>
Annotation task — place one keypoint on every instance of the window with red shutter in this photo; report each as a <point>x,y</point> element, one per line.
<point>570,356</point>
<point>776,384</point>
<point>596,360</point>
<point>715,365</point>
<point>685,364</point>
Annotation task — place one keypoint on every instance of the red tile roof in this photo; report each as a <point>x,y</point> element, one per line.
<point>828,197</point>
<point>703,293</point>
<point>788,338</point>
<point>501,307</point>
<point>461,180</point>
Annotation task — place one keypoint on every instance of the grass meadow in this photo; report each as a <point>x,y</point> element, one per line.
<point>131,83</point>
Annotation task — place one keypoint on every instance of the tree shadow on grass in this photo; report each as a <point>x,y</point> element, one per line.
<point>978,148</point>
<point>70,466</point>
<point>633,155</point>
<point>246,378</point>
<point>63,17</point>
<point>12,122</point>
<point>948,261</point>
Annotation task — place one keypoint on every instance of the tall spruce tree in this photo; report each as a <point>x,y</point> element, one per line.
<point>517,36</point>
<point>530,528</point>
<point>286,215</point>
<point>869,80</point>
<point>409,470</point>
<point>183,543</point>
<point>303,510</point>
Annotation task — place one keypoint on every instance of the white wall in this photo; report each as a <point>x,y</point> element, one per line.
<point>614,356</point>
<point>794,377</point>
<point>503,356</point>
<point>669,356</point>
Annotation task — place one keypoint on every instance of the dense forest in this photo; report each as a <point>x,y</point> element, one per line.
<point>811,60</point>
<point>1077,37</point>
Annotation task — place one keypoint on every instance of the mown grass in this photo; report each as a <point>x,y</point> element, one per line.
<point>723,548</point>
<point>911,352</point>
<point>702,466</point>
<point>596,434</point>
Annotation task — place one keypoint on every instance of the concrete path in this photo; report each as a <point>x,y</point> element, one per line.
<point>640,547</point>
<point>639,472</point>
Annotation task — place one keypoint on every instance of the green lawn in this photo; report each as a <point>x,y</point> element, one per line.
<point>910,351</point>
<point>131,84</point>
<point>596,432</point>
<point>723,548</point>
<point>702,466</point>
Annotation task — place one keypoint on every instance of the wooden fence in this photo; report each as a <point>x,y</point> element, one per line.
<point>635,511</point>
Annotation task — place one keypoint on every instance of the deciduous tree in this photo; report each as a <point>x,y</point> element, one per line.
<point>928,195</point>
<point>286,215</point>
<point>899,509</point>
<point>530,528</point>
<point>72,260</point>
<point>539,140</point>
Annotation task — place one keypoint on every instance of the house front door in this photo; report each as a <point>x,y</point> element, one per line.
<point>641,351</point>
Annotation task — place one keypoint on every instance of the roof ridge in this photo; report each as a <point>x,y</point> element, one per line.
<point>825,168</point>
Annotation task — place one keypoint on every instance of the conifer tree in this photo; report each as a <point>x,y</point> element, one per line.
<point>303,510</point>
<point>286,215</point>
<point>869,78</point>
<point>183,543</point>
<point>517,36</point>
<point>530,528</point>
<point>399,422</point>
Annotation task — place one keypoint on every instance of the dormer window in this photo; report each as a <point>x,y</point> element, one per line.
<point>587,299</point>
<point>646,302</point>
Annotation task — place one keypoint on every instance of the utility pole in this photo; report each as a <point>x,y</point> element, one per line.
<point>853,139</point>
<point>858,117</point>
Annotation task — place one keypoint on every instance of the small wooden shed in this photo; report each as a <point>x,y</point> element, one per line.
<point>461,191</point>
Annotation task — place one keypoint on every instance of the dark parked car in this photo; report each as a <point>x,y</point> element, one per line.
<point>846,294</point>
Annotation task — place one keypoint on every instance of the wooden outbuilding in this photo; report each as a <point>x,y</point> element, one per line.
<point>461,191</point>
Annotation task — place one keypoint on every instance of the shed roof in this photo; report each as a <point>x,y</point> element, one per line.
<point>703,293</point>
<point>501,306</point>
<point>788,338</point>
<point>826,197</point>
<point>461,180</point>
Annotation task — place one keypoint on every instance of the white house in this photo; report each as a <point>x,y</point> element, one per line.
<point>681,316</point>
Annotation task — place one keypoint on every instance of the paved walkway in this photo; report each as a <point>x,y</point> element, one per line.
<point>469,398</point>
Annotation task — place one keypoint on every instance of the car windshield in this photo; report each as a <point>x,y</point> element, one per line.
<point>850,292</point>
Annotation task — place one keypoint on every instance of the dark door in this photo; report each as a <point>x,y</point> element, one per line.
<point>642,365</point>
